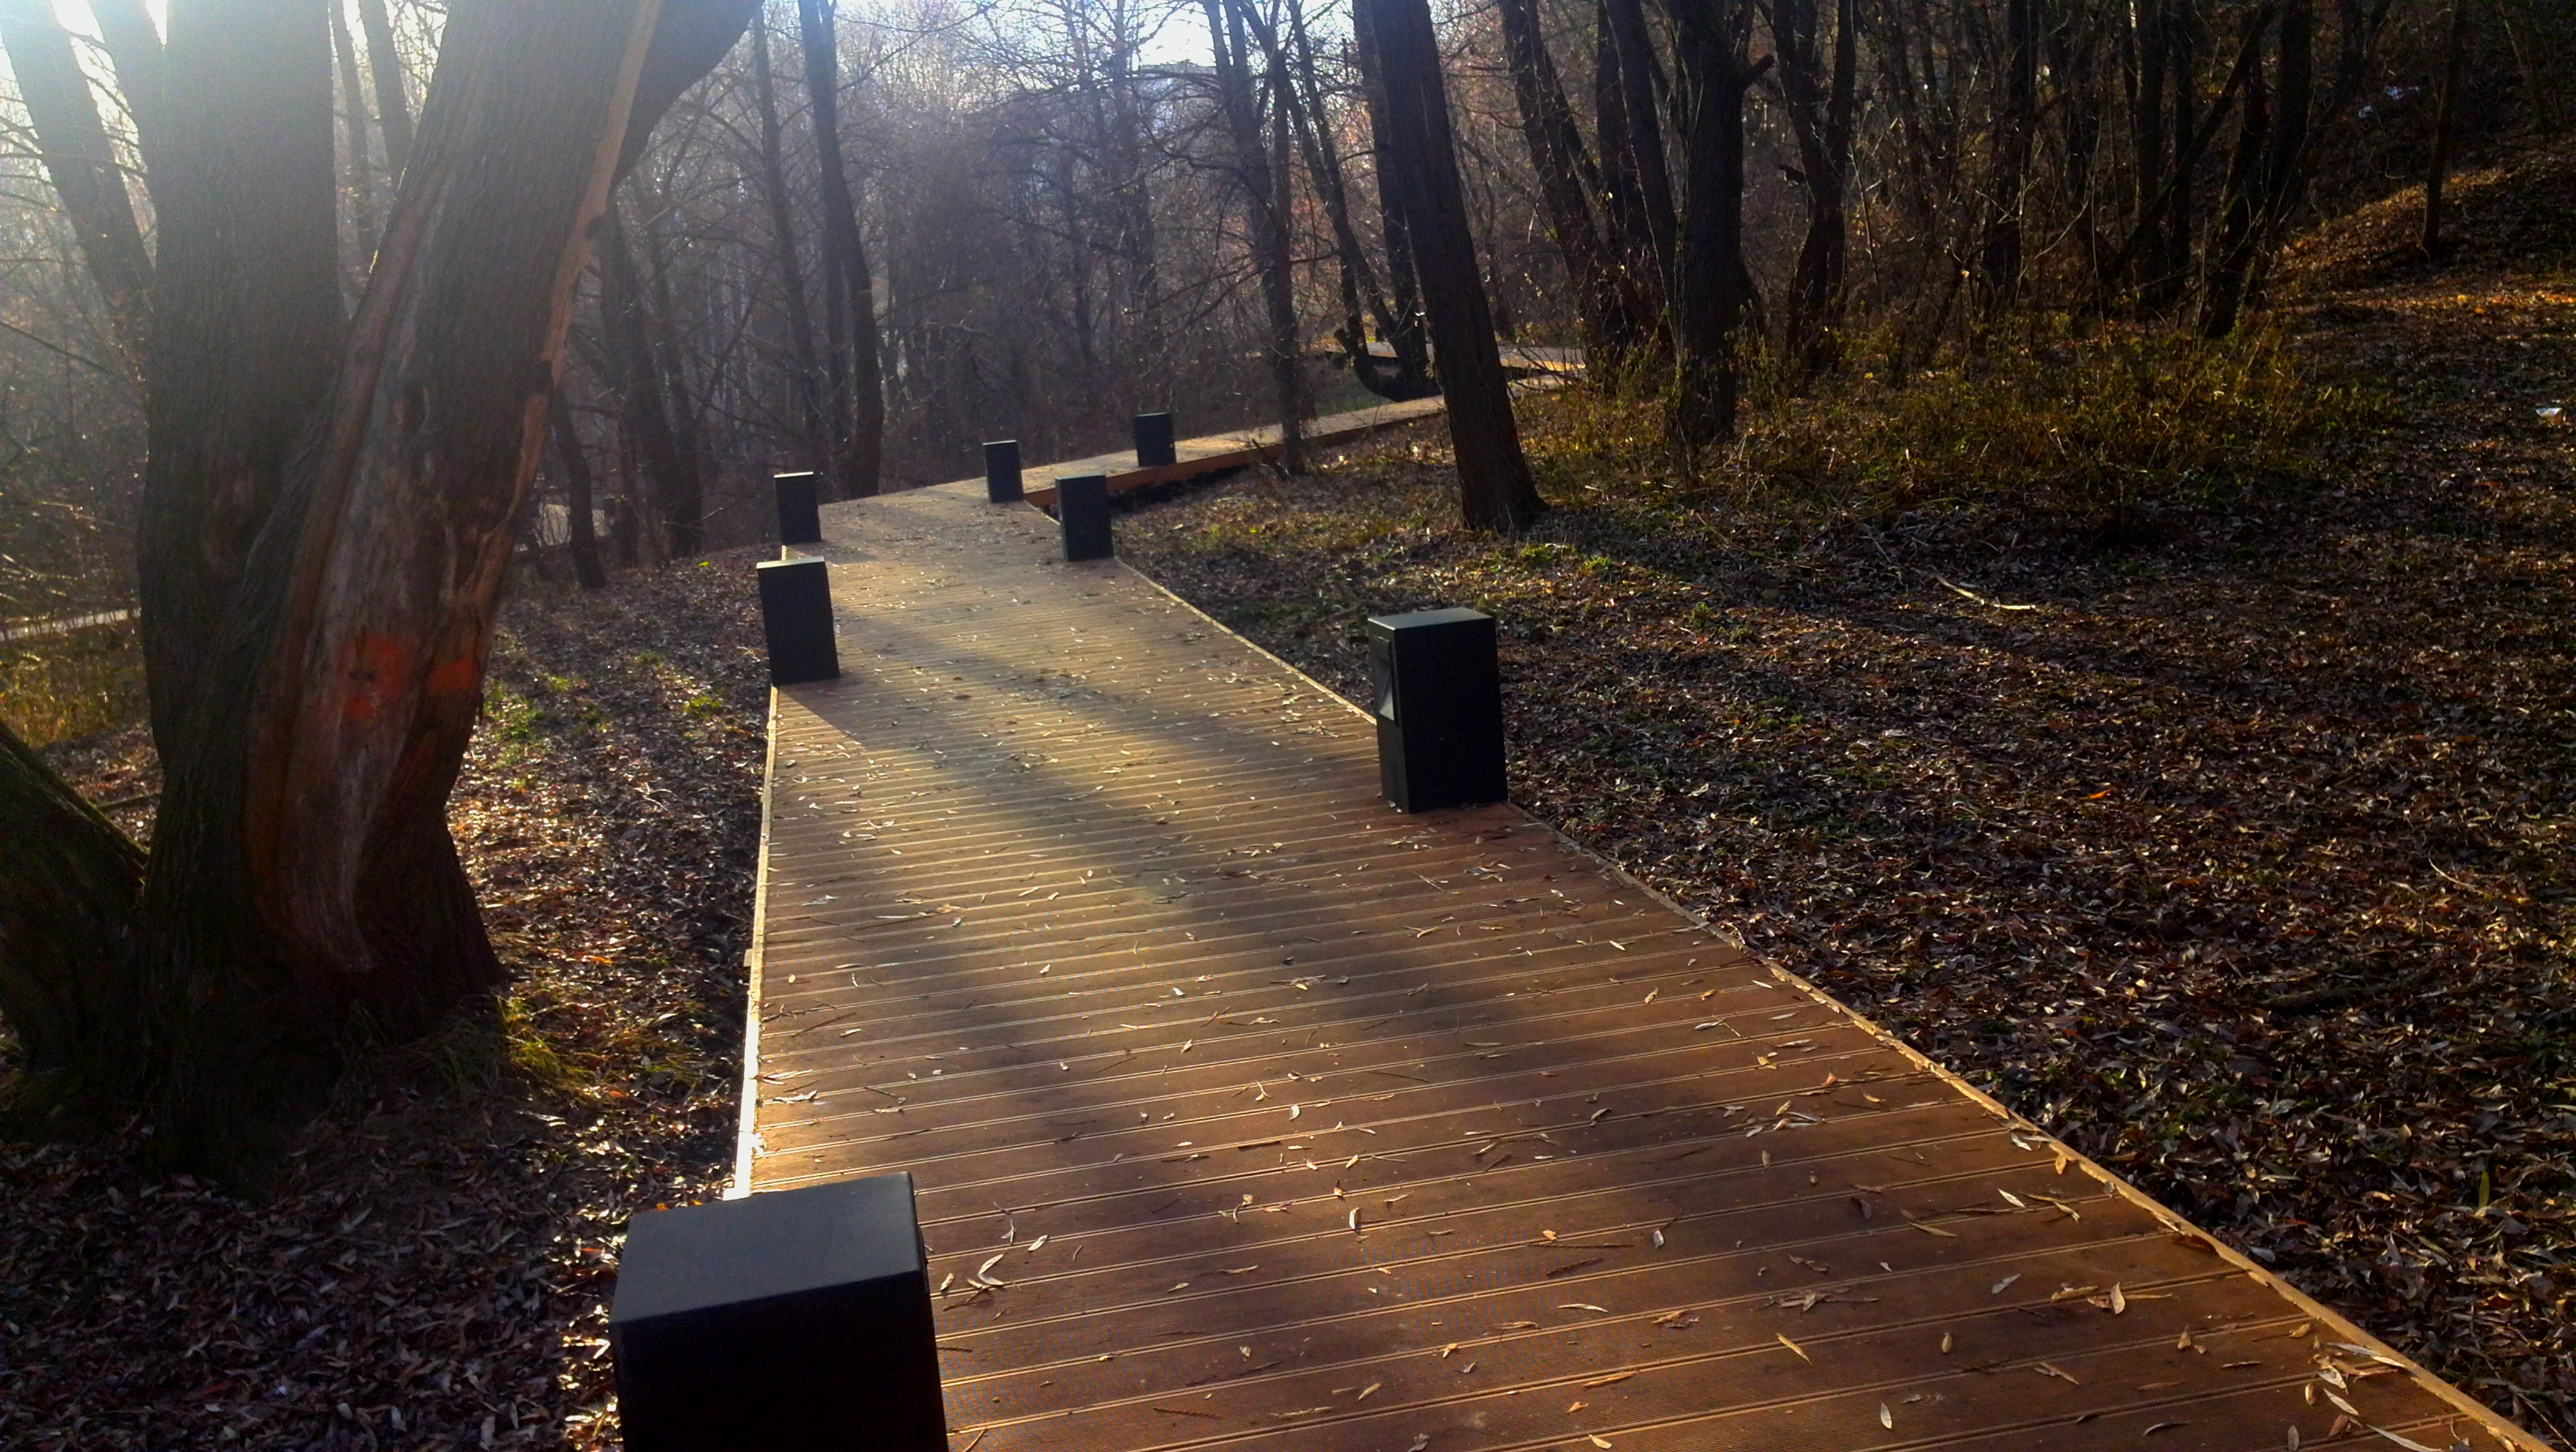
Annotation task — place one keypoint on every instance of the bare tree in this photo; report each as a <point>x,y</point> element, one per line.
<point>318,627</point>
<point>849,284</point>
<point>1494,487</point>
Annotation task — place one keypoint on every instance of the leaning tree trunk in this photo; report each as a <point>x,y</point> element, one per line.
<point>1566,184</point>
<point>81,163</point>
<point>1494,487</point>
<point>66,925</point>
<point>302,883</point>
<point>393,107</point>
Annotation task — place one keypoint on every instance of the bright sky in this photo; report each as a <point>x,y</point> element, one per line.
<point>76,17</point>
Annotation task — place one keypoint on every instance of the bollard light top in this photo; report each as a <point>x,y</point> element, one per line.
<point>761,1246</point>
<point>1422,619</point>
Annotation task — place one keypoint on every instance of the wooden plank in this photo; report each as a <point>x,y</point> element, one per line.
<point>1216,453</point>
<point>1247,1112</point>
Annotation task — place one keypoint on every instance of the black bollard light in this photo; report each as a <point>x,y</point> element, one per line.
<point>800,514</point>
<point>796,621</point>
<point>1002,471</point>
<point>1438,700</point>
<point>1082,507</point>
<point>1154,440</point>
<point>796,1321</point>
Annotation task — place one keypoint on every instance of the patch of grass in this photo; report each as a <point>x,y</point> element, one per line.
<point>2056,433</point>
<point>63,687</point>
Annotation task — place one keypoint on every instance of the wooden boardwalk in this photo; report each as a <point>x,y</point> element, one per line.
<point>1247,1113</point>
<point>1214,453</point>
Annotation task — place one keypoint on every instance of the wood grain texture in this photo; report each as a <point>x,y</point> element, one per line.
<point>1248,1112</point>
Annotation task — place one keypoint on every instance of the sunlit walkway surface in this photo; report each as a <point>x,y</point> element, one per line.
<point>1249,1113</point>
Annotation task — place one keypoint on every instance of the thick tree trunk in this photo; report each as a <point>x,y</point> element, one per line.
<point>1710,301</point>
<point>248,320</point>
<point>581,532</point>
<point>1494,487</point>
<point>848,275</point>
<point>791,267</point>
<point>1262,188</point>
<point>66,921</point>
<point>393,106</point>
<point>81,163</point>
<point>302,883</point>
<point>1566,183</point>
<point>1411,376</point>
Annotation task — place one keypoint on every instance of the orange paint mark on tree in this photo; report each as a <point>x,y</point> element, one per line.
<point>377,665</point>
<point>454,676</point>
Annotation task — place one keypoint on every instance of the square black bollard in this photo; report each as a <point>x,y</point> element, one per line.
<point>797,1321</point>
<point>800,515</point>
<point>1002,471</point>
<point>1438,700</point>
<point>796,620</point>
<point>1082,507</point>
<point>1154,440</point>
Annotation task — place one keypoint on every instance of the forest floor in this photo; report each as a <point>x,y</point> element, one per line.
<point>2230,843</point>
<point>2225,834</point>
<point>435,1270</point>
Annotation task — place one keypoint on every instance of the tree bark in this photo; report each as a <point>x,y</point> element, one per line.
<point>581,532</point>
<point>676,488</point>
<point>1360,287</point>
<point>848,274</point>
<point>2446,118</point>
<point>302,881</point>
<point>81,163</point>
<point>2015,125</point>
<point>353,133</point>
<point>1640,105</point>
<point>1263,189</point>
<point>134,47</point>
<point>67,904</point>
<point>393,106</point>
<point>247,323</point>
<point>1566,184</point>
<point>808,382</point>
<point>1411,376</point>
<point>1820,116</point>
<point>2240,212</point>
<point>1709,303</point>
<point>1494,487</point>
